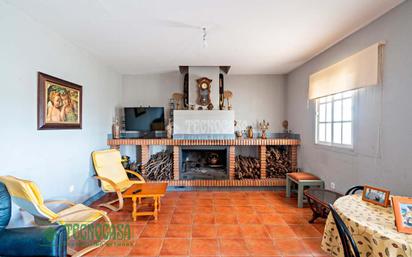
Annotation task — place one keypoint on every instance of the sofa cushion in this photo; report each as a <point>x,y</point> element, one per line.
<point>302,176</point>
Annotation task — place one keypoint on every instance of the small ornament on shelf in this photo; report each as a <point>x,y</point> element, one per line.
<point>264,126</point>
<point>249,131</point>
<point>238,131</point>
<point>285,125</point>
<point>116,129</point>
<point>227,95</point>
<point>172,107</point>
<point>169,129</point>
<point>178,99</point>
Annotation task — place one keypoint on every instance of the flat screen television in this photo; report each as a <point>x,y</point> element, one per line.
<point>144,118</point>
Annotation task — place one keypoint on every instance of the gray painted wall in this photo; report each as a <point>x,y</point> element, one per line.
<point>255,97</point>
<point>57,160</point>
<point>382,154</point>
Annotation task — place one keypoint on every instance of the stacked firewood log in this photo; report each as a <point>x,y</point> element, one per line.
<point>247,167</point>
<point>277,162</point>
<point>159,167</point>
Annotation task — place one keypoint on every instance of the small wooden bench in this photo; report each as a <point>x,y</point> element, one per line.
<point>302,180</point>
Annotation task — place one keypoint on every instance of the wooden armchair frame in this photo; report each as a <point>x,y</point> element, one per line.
<point>59,219</point>
<point>30,200</point>
<point>117,190</point>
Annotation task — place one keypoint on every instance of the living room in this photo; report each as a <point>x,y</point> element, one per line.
<point>221,128</point>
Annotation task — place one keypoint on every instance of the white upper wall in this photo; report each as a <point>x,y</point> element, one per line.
<point>57,160</point>
<point>390,166</point>
<point>255,97</point>
<point>254,37</point>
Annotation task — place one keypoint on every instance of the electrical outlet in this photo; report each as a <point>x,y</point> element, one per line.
<point>332,185</point>
<point>71,189</point>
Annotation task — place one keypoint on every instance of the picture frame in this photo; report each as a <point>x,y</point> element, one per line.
<point>376,195</point>
<point>59,103</point>
<point>402,210</point>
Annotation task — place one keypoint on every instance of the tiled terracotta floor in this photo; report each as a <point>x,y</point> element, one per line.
<point>246,223</point>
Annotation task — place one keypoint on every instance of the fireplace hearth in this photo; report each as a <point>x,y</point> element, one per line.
<point>204,163</point>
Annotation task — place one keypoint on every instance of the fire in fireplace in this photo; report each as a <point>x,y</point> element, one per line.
<point>204,162</point>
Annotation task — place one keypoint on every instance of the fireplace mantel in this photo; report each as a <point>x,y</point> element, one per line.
<point>115,143</point>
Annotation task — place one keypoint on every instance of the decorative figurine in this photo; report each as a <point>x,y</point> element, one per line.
<point>116,129</point>
<point>178,99</point>
<point>285,125</point>
<point>238,132</point>
<point>169,129</point>
<point>264,125</point>
<point>210,106</point>
<point>249,131</point>
<point>227,95</point>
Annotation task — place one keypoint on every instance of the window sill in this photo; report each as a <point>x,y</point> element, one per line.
<point>336,149</point>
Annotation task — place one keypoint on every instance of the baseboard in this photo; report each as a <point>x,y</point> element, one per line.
<point>94,198</point>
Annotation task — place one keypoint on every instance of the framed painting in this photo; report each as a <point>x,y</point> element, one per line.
<point>376,195</point>
<point>402,208</point>
<point>59,103</point>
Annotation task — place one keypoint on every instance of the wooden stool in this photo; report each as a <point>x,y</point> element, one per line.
<point>302,179</point>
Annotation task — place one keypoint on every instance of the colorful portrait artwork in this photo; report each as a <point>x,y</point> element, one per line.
<point>62,104</point>
<point>59,104</point>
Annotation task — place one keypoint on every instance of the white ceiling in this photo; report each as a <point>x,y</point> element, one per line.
<point>254,37</point>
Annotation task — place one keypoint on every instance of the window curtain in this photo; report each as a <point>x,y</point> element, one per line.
<point>362,69</point>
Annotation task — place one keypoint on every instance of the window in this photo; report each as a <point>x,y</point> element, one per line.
<point>334,120</point>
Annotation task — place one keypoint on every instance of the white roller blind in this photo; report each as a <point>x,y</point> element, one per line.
<point>362,69</point>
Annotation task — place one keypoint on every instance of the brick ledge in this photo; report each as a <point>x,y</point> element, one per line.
<point>226,183</point>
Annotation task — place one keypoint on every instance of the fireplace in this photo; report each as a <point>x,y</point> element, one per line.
<point>204,162</point>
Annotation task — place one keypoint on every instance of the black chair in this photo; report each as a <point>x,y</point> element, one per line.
<point>349,247</point>
<point>354,189</point>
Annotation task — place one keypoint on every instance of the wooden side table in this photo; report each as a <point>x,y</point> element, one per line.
<point>147,190</point>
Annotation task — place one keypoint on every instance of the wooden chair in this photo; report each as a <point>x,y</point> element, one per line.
<point>354,189</point>
<point>349,246</point>
<point>26,195</point>
<point>113,176</point>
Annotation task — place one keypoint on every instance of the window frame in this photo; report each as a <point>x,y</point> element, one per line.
<point>332,100</point>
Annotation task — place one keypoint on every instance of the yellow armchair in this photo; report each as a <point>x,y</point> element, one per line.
<point>113,176</point>
<point>26,195</point>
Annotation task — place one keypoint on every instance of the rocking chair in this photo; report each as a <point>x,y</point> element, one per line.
<point>113,176</point>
